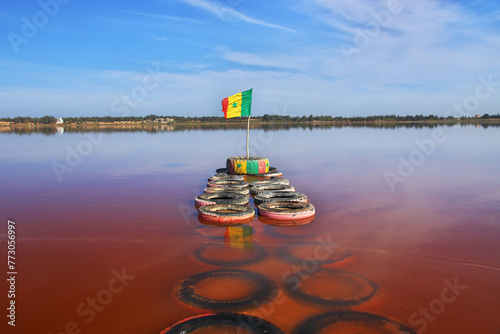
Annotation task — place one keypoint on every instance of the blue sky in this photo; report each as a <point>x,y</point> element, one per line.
<point>301,57</point>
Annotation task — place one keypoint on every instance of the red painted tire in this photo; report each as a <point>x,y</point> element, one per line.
<point>255,190</point>
<point>279,196</point>
<point>226,177</point>
<point>243,191</point>
<point>214,223</point>
<point>226,212</point>
<point>228,183</point>
<point>287,210</point>
<point>287,223</point>
<point>275,180</point>
<point>221,197</point>
<point>250,166</point>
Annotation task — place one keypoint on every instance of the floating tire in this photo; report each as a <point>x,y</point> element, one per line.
<point>255,190</point>
<point>226,177</point>
<point>242,191</point>
<point>211,254</point>
<point>279,196</point>
<point>215,223</point>
<point>228,184</point>
<point>287,223</point>
<point>273,172</point>
<point>190,290</point>
<point>226,212</point>
<point>287,210</point>
<point>330,286</point>
<point>236,323</point>
<point>351,322</point>
<point>250,166</point>
<point>221,170</point>
<point>298,253</point>
<point>272,180</point>
<point>221,197</point>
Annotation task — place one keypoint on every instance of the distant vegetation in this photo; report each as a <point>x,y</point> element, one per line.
<point>216,119</point>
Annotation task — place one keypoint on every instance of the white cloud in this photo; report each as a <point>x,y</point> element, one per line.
<point>277,61</point>
<point>426,42</point>
<point>159,16</point>
<point>200,93</point>
<point>423,60</point>
<point>224,12</point>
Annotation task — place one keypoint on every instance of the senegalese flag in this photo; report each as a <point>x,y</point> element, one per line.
<point>237,105</point>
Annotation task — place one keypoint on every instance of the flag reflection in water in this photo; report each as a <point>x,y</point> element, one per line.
<point>239,237</point>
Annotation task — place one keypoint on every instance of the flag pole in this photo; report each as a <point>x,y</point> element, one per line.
<point>248,134</point>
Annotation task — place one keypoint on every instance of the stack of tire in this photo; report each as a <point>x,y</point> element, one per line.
<point>226,198</point>
<point>225,201</point>
<point>278,201</point>
<point>274,197</point>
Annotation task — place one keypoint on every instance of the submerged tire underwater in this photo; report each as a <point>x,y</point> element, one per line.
<point>221,197</point>
<point>226,212</point>
<point>247,323</point>
<point>351,321</point>
<point>287,210</point>
<point>202,254</point>
<point>335,283</point>
<point>299,252</point>
<point>188,290</point>
<point>279,196</point>
<point>250,166</point>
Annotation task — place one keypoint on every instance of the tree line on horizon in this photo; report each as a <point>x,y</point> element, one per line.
<point>212,119</point>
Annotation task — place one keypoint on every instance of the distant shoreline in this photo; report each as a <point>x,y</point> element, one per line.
<point>254,123</point>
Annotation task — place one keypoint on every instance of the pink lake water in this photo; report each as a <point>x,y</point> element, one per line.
<point>106,228</point>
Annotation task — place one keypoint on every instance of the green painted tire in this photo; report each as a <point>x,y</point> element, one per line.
<point>250,166</point>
